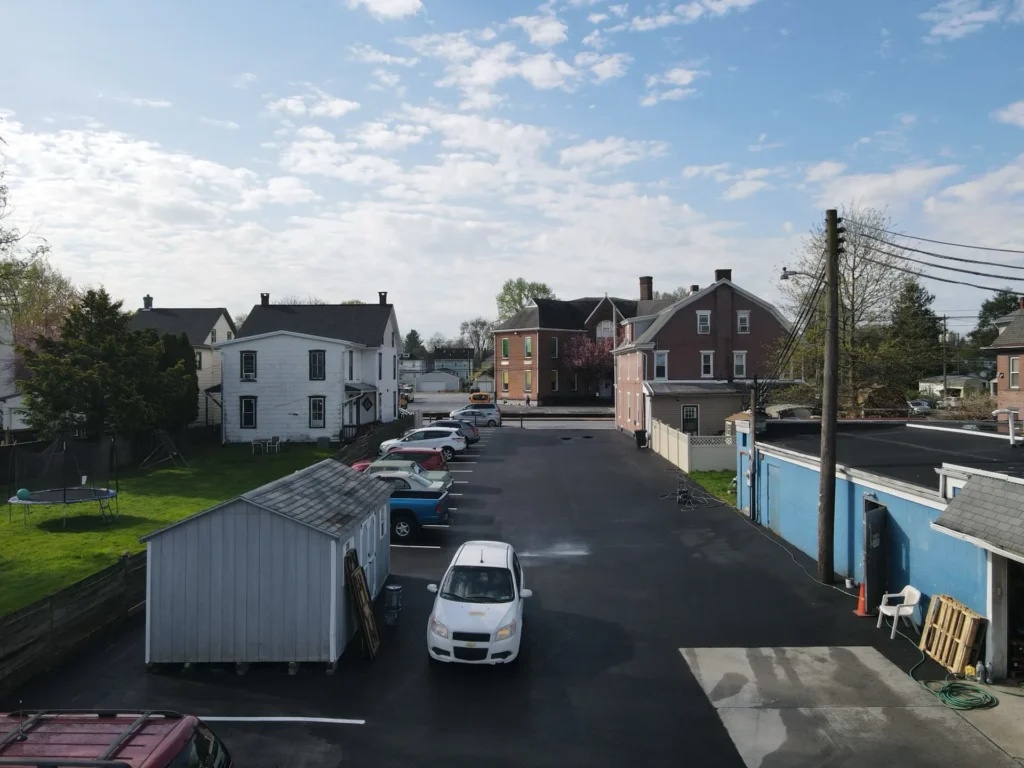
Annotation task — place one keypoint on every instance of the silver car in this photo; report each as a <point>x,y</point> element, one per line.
<point>481,414</point>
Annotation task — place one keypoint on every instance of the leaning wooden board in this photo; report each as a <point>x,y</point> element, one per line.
<point>356,580</point>
<point>952,633</point>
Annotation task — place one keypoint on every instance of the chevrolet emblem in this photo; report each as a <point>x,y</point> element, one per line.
<point>471,645</point>
<point>478,613</point>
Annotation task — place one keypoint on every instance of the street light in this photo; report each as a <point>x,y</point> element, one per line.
<point>788,273</point>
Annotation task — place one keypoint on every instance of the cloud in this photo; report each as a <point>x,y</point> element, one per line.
<point>227,125</point>
<point>687,13</point>
<point>314,103</point>
<point>954,19</point>
<point>380,135</point>
<point>604,67</point>
<point>824,171</point>
<point>612,152</point>
<point>597,18</point>
<point>545,71</point>
<point>243,80</point>
<point>281,190</point>
<point>1012,114</point>
<point>594,40</point>
<point>619,10</point>
<point>741,185</point>
<point>544,31</point>
<point>836,96</point>
<point>787,226</point>
<point>762,144</point>
<point>139,102</point>
<point>370,54</point>
<point>745,188</point>
<point>718,172</point>
<point>679,77</point>
<point>387,79</point>
<point>388,10</point>
<point>879,190</point>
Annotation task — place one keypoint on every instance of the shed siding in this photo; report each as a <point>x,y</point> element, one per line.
<point>240,584</point>
<point>931,561</point>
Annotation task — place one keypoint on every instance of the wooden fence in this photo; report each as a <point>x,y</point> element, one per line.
<point>693,453</point>
<point>41,635</point>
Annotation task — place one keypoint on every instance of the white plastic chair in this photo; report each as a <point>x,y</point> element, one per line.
<point>911,597</point>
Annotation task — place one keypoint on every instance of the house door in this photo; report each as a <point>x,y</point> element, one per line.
<point>774,492</point>
<point>689,420</point>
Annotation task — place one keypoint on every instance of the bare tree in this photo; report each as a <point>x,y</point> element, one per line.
<point>868,285</point>
<point>477,333</point>
<point>295,300</point>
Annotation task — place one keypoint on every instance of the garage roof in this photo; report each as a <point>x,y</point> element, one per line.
<point>990,509</point>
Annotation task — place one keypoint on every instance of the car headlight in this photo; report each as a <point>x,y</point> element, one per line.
<point>506,632</point>
<point>438,628</point>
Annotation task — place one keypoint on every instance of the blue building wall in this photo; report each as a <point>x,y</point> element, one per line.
<point>931,561</point>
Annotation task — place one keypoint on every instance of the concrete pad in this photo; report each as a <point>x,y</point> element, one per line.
<point>838,706</point>
<point>1005,724</point>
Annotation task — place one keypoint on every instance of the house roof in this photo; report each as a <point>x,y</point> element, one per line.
<point>692,388</point>
<point>565,315</point>
<point>988,508</point>
<point>439,375</point>
<point>327,496</point>
<point>194,322</point>
<point>1013,334</point>
<point>1008,318</point>
<point>359,323</point>
<point>646,307</point>
<point>899,452</point>
<point>453,353</point>
<point>954,381</point>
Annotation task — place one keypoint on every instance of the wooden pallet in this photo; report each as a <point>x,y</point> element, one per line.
<point>952,634</point>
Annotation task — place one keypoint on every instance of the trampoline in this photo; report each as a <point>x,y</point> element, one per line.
<point>65,473</point>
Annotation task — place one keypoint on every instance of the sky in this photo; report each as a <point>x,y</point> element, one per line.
<point>205,152</point>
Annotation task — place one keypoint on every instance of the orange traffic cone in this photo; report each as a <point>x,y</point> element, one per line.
<point>862,602</point>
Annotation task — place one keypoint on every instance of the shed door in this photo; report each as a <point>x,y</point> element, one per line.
<point>774,491</point>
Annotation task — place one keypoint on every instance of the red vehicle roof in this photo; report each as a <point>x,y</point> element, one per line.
<point>136,739</point>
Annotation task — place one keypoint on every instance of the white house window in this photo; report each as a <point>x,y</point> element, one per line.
<point>554,346</point>
<point>394,366</point>
<point>1014,373</point>
<point>660,366</point>
<point>739,365</point>
<point>213,336</point>
<point>689,422</point>
<point>350,363</point>
<point>392,338</point>
<point>317,409</point>
<point>707,365</point>
<point>247,412</point>
<point>605,330</point>
<point>248,365</point>
<point>743,321</point>
<point>380,366</point>
<point>230,336</point>
<point>317,365</point>
<point>703,321</point>
<point>199,361</point>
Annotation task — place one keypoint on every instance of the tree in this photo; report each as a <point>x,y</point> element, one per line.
<point>352,301</point>
<point>239,318</point>
<point>867,275</point>
<point>681,292</point>
<point>98,375</point>
<point>180,395</point>
<point>516,294</point>
<point>1003,302</point>
<point>294,300</point>
<point>589,359</point>
<point>437,341</point>
<point>413,344</point>
<point>910,348</point>
<point>477,333</point>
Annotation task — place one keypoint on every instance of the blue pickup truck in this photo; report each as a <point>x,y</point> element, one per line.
<point>412,509</point>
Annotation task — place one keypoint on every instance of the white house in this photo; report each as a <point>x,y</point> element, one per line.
<point>410,366</point>
<point>300,372</point>
<point>12,409</point>
<point>204,327</point>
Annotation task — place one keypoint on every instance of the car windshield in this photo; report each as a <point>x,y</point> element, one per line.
<point>416,480</point>
<point>478,584</point>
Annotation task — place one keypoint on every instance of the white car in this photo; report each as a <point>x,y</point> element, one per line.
<point>478,611</point>
<point>446,439</point>
<point>479,414</point>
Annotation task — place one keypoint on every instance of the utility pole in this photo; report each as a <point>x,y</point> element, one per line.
<point>829,404</point>
<point>945,342</point>
<point>753,512</point>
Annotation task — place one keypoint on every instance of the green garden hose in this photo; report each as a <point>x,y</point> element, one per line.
<point>959,694</point>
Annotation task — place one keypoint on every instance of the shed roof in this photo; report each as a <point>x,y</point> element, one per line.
<point>360,323</point>
<point>990,509</point>
<point>327,496</point>
<point>194,322</point>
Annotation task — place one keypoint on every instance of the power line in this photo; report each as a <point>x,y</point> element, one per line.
<point>918,273</point>
<point>803,318</point>
<point>943,256</point>
<point>953,269</point>
<point>937,242</point>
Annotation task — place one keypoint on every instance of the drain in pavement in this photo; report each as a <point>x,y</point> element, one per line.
<point>567,438</point>
<point>588,437</point>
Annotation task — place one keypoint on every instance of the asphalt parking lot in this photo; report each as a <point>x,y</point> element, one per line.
<point>622,580</point>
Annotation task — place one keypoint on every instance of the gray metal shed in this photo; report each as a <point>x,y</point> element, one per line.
<point>261,578</point>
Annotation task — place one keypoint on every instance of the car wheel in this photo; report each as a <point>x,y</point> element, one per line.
<point>403,528</point>
<point>448,453</point>
<point>492,423</point>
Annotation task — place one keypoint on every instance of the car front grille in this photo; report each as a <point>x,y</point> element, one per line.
<point>470,637</point>
<point>470,654</point>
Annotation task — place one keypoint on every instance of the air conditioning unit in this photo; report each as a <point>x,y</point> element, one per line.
<point>248,377</point>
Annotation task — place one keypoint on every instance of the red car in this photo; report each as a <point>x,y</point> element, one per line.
<point>155,739</point>
<point>431,459</point>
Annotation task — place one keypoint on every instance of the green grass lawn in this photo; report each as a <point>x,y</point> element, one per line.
<point>44,557</point>
<point>717,484</point>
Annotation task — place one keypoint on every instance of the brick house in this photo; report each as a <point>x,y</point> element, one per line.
<point>529,347</point>
<point>689,363</point>
<point>1009,348</point>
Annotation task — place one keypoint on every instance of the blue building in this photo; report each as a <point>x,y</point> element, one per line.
<point>953,502</point>
<point>457,360</point>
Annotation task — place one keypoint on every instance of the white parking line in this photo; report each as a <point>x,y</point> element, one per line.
<point>461,471</point>
<point>429,526</point>
<point>417,546</point>
<point>455,494</point>
<point>329,720</point>
<point>466,462</point>
<point>461,482</point>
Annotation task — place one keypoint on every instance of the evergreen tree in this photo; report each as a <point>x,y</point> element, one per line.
<point>1002,303</point>
<point>413,344</point>
<point>911,347</point>
<point>179,385</point>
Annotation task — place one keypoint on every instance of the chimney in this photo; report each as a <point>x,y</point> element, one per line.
<point>723,274</point>
<point>694,289</point>
<point>147,302</point>
<point>646,288</point>
<point>383,295</point>
<point>264,299</point>
<point>1020,302</point>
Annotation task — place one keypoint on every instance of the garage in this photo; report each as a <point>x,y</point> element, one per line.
<point>438,381</point>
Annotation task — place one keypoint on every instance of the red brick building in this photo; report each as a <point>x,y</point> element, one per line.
<point>689,363</point>
<point>1009,348</point>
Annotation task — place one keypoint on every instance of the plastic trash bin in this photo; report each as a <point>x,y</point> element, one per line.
<point>641,438</point>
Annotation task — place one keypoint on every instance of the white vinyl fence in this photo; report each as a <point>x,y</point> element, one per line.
<point>693,453</point>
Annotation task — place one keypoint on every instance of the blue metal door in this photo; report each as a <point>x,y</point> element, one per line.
<point>774,492</point>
